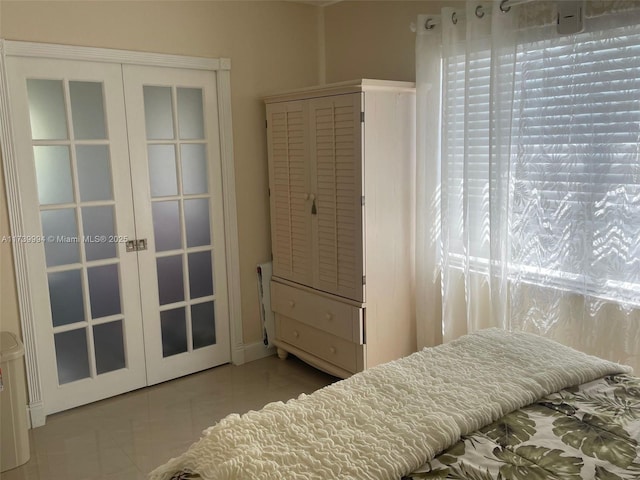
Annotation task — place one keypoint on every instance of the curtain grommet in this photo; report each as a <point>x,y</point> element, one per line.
<point>429,24</point>
<point>479,11</point>
<point>504,8</point>
<point>454,18</point>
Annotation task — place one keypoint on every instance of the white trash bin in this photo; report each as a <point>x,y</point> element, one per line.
<point>14,430</point>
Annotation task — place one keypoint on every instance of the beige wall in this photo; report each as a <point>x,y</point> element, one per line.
<point>273,46</point>
<point>372,39</point>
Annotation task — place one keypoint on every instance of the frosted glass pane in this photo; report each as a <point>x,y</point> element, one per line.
<point>158,112</point>
<point>65,297</point>
<point>194,168</point>
<point>162,170</point>
<point>174,332</point>
<point>53,173</point>
<point>104,290</point>
<point>72,355</point>
<point>94,172</point>
<point>99,227</point>
<point>47,110</point>
<point>200,274</point>
<point>170,284</point>
<point>60,231</point>
<point>108,341</point>
<point>166,225</point>
<point>87,110</point>
<point>190,118</point>
<point>196,218</point>
<point>203,323</point>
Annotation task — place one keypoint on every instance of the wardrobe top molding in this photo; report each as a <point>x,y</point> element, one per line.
<point>108,55</point>
<point>340,88</point>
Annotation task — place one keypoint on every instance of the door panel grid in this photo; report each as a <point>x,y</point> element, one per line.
<point>63,143</point>
<point>180,202</point>
<point>79,176</point>
<point>175,151</point>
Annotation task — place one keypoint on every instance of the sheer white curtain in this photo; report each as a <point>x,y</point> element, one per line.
<point>529,213</point>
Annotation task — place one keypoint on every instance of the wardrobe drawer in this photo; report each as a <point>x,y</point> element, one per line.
<point>331,316</point>
<point>330,348</point>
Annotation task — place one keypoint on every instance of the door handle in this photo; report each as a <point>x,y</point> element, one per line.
<point>136,245</point>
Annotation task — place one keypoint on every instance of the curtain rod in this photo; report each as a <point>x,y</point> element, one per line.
<point>505,6</point>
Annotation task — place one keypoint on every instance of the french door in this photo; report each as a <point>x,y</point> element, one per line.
<point>120,188</point>
<point>177,191</point>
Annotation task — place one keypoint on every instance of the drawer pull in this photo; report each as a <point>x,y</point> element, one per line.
<point>296,334</point>
<point>329,316</point>
<point>292,303</point>
<point>332,349</point>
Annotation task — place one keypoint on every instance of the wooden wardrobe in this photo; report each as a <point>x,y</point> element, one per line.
<point>342,198</point>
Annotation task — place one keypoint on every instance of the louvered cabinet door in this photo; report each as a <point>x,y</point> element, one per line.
<point>336,163</point>
<point>288,147</point>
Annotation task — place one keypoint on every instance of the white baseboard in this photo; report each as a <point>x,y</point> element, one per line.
<point>237,355</point>
<point>36,415</point>
<point>256,351</point>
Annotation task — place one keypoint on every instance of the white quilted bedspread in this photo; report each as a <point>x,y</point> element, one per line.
<point>387,421</point>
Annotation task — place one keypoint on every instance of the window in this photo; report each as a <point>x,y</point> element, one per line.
<point>574,180</point>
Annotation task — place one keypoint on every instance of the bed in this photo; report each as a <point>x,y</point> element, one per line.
<point>490,405</point>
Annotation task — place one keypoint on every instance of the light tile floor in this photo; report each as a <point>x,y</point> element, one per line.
<point>126,437</point>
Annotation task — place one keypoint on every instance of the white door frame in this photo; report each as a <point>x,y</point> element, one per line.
<point>222,67</point>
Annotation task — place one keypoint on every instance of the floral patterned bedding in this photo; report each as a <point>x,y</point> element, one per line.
<point>586,432</point>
